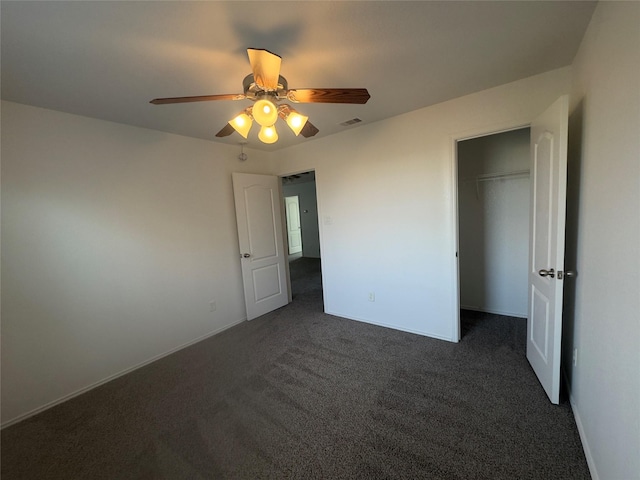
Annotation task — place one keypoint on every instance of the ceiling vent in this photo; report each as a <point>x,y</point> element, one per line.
<point>353,121</point>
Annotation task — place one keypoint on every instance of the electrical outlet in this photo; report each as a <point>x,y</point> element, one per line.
<point>372,296</point>
<point>575,357</point>
<point>212,306</point>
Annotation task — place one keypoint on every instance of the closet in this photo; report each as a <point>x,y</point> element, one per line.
<point>493,216</point>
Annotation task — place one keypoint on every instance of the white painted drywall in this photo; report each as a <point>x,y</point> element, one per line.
<point>114,241</point>
<point>306,193</point>
<point>494,223</point>
<point>386,204</point>
<point>603,304</point>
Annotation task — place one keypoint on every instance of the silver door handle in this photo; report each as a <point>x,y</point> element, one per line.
<point>547,273</point>
<point>245,255</point>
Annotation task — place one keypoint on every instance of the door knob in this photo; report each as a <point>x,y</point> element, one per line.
<point>570,274</point>
<point>547,273</point>
<point>245,255</point>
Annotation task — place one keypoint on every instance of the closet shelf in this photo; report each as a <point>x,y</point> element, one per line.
<point>486,177</point>
<point>498,176</point>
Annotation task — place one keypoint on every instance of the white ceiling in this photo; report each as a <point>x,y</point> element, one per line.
<point>108,59</point>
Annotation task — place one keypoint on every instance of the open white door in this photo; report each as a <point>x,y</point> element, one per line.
<point>546,254</point>
<point>263,258</point>
<point>294,233</point>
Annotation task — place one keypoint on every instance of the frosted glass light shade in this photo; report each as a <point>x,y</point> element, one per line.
<point>296,122</point>
<point>268,134</point>
<point>265,112</point>
<point>242,124</point>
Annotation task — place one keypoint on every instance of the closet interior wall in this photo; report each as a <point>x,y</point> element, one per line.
<point>493,213</point>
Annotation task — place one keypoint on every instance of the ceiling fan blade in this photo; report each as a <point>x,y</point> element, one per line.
<point>226,131</point>
<point>329,95</point>
<point>199,98</point>
<point>309,130</point>
<point>266,68</point>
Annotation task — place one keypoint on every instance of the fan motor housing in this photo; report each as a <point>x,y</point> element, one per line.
<point>253,91</point>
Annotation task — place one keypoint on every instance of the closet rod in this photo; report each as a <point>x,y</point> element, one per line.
<point>497,176</point>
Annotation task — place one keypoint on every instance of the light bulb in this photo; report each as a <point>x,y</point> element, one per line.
<point>265,112</point>
<point>296,122</point>
<point>242,124</point>
<point>268,134</point>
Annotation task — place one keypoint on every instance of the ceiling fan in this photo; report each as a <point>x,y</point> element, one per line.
<point>268,89</point>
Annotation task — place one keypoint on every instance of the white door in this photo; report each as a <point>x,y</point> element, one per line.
<point>292,209</point>
<point>546,251</point>
<point>258,212</point>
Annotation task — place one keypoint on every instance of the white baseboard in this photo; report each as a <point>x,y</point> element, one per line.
<point>82,390</point>
<point>475,308</point>
<point>583,437</point>
<point>393,327</point>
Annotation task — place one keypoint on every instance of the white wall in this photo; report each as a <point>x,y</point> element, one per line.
<point>602,314</point>
<point>114,241</point>
<point>306,193</point>
<point>386,204</point>
<point>494,223</point>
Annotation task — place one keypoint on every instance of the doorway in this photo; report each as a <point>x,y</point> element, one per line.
<point>294,227</point>
<point>301,211</point>
<point>493,228</point>
<point>548,138</point>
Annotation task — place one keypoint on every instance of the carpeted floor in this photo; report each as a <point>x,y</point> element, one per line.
<point>301,394</point>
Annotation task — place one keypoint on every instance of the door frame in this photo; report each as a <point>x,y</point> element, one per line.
<point>456,330</point>
<point>282,206</point>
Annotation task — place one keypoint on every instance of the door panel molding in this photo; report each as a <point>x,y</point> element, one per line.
<point>549,133</point>
<point>261,242</point>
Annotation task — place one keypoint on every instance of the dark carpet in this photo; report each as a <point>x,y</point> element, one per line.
<point>301,394</point>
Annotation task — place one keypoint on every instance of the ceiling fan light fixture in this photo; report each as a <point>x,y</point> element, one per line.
<point>265,112</point>
<point>242,124</point>
<point>296,121</point>
<point>267,88</point>
<point>268,134</point>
